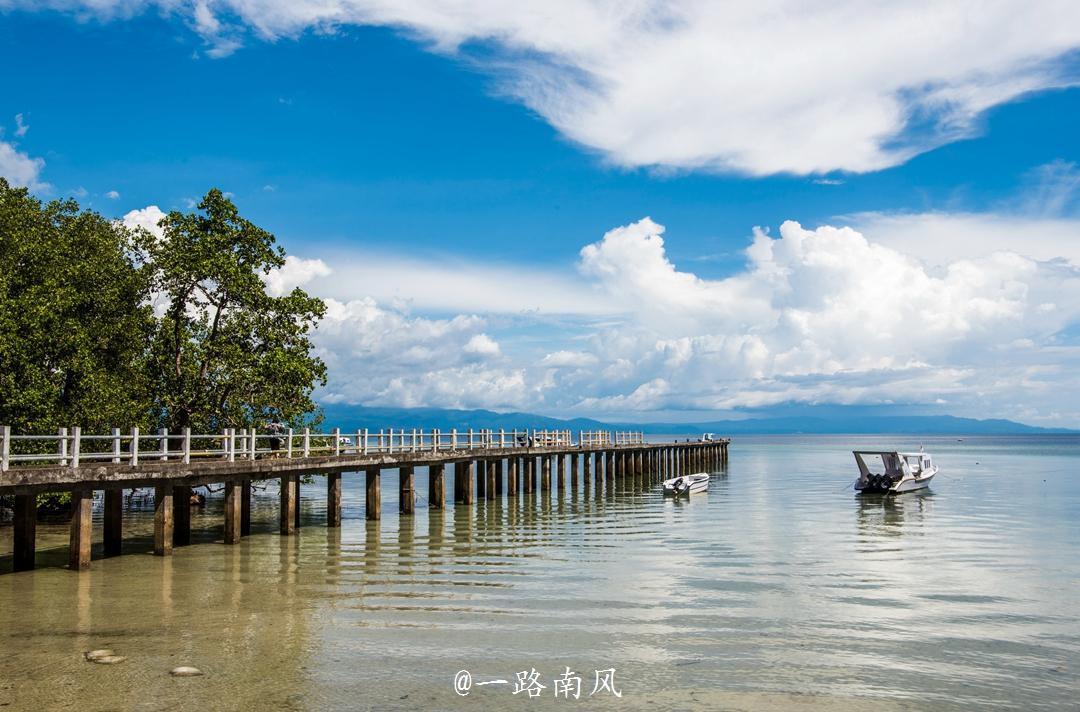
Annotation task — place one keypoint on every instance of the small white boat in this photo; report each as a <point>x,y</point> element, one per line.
<point>895,472</point>
<point>686,484</point>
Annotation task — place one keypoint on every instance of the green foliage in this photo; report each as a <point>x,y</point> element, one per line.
<point>226,353</point>
<point>74,322</point>
<point>80,343</point>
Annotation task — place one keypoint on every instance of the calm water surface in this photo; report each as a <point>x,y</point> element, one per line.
<point>776,590</point>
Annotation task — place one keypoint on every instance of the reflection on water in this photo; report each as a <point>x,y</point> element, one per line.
<point>773,590</point>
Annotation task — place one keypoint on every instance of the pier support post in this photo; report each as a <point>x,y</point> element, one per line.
<point>114,521</point>
<point>437,486</point>
<point>163,520</point>
<point>489,476</point>
<point>406,489</point>
<point>234,492</point>
<point>288,504</point>
<point>560,460</point>
<point>373,500</point>
<point>333,499</point>
<point>480,469</point>
<point>512,476</point>
<point>245,507</point>
<point>79,546</point>
<point>498,477</point>
<point>530,474</point>
<point>25,531</point>
<point>468,491</point>
<point>181,516</point>
<point>573,471</point>
<point>609,467</point>
<point>586,467</point>
<point>545,473</point>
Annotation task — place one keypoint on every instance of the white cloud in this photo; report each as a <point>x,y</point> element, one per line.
<point>569,359</point>
<point>113,195</point>
<point>19,168</point>
<point>147,218</point>
<point>482,345</point>
<point>296,272</point>
<point>449,285</point>
<point>20,126</point>
<point>760,88</point>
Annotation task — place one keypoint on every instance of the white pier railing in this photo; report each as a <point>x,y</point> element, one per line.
<point>72,448</point>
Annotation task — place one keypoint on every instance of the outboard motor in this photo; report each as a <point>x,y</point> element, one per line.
<point>680,486</point>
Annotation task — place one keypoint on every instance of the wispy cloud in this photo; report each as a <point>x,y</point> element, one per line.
<point>700,85</point>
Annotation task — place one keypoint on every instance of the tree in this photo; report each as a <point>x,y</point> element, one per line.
<point>226,353</point>
<point>74,317</point>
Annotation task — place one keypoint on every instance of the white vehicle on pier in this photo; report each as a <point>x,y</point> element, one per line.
<point>899,472</point>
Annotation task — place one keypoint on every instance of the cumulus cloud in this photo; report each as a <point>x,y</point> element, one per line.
<point>21,127</point>
<point>759,88</point>
<point>148,218</point>
<point>378,355</point>
<point>19,168</point>
<point>296,272</point>
<point>113,195</point>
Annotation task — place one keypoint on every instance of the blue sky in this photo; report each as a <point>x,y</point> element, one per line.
<point>437,177</point>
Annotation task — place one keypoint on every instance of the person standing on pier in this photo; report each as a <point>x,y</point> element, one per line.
<point>276,429</point>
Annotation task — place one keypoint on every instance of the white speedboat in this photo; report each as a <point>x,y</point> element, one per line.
<point>892,472</point>
<point>686,484</point>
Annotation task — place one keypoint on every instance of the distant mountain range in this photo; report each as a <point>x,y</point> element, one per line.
<point>352,417</point>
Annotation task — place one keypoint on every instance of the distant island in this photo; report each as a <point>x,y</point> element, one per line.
<point>354,417</point>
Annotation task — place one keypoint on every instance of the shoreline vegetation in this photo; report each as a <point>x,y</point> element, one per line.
<point>102,325</point>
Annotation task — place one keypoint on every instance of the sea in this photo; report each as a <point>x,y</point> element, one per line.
<point>779,589</point>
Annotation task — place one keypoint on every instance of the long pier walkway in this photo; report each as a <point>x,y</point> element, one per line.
<point>486,464</point>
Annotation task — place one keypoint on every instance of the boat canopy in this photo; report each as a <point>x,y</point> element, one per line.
<point>894,462</point>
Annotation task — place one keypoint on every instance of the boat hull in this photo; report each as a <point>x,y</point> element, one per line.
<point>687,484</point>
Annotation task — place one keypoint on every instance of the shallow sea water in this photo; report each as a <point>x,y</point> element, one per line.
<point>778,589</point>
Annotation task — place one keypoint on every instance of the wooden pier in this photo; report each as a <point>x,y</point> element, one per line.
<point>487,465</point>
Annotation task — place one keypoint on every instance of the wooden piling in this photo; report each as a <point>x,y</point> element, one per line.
<point>181,516</point>
<point>560,460</point>
<point>373,501</point>
<point>545,473</point>
<point>498,478</point>
<point>234,492</point>
<point>468,491</point>
<point>609,466</point>
<point>406,490</point>
<point>574,471</point>
<point>163,519</point>
<point>245,506</point>
<point>287,513</point>
<point>437,486</point>
<point>333,499</point>
<point>512,475</point>
<point>489,487</point>
<point>25,531</point>
<point>530,474</point>
<point>480,471</point>
<point>586,467</point>
<point>114,521</point>
<point>79,546</point>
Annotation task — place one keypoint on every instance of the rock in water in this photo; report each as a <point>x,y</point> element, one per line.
<point>110,659</point>
<point>94,655</point>
<point>185,671</point>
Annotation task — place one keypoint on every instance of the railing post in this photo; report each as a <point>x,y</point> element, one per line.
<point>187,446</point>
<point>241,443</point>
<point>414,439</point>
<point>470,439</point>
<point>365,440</point>
<point>116,445</point>
<point>232,444</point>
<point>135,446</point>
<point>62,447</point>
<point>225,444</point>
<point>337,442</point>
<point>5,447</point>
<point>251,445</point>
<point>163,435</point>
<point>307,442</point>
<point>434,439</point>
<point>453,438</point>
<point>288,444</point>
<point>76,445</point>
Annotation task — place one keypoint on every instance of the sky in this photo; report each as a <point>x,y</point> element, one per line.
<point>626,210</point>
